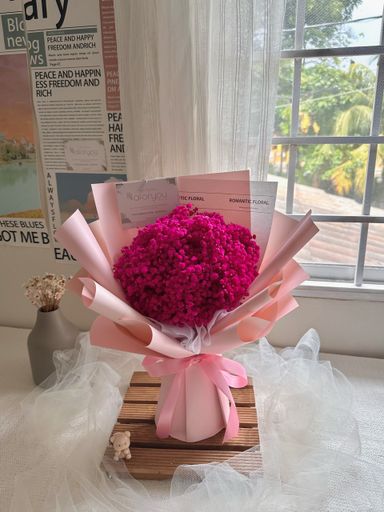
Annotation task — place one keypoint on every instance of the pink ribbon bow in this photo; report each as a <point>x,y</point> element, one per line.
<point>224,373</point>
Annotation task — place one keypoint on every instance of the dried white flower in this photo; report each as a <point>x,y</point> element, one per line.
<point>45,292</point>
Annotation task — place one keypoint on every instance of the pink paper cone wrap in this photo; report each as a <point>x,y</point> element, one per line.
<point>195,398</point>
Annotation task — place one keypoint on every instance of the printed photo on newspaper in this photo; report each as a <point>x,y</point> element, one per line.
<point>21,218</point>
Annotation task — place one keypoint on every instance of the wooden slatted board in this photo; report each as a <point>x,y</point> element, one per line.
<point>157,459</point>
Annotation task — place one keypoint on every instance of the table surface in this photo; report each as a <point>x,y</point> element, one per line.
<point>365,374</point>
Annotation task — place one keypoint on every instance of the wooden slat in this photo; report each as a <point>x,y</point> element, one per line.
<point>144,435</point>
<point>157,464</point>
<point>154,458</point>
<point>143,379</point>
<point>145,413</point>
<point>150,394</point>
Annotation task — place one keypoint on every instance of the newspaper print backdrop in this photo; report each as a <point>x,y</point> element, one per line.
<point>74,77</point>
<point>76,97</point>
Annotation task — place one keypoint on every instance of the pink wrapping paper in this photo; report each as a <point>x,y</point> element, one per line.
<point>195,400</point>
<point>187,424</point>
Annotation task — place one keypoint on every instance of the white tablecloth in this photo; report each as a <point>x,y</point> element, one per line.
<point>365,374</point>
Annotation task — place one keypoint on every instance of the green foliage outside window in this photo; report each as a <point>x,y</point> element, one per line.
<point>336,98</point>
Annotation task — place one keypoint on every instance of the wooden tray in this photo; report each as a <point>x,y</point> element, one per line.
<point>157,459</point>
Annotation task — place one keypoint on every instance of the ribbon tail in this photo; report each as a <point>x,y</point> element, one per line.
<point>161,367</point>
<point>219,380</point>
<point>167,411</point>
<point>234,373</point>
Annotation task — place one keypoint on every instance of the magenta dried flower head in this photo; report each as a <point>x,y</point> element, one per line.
<point>186,266</point>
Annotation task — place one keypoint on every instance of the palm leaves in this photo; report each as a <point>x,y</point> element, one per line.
<point>354,121</point>
<point>348,178</point>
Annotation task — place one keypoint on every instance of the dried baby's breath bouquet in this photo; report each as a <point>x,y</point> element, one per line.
<point>45,292</point>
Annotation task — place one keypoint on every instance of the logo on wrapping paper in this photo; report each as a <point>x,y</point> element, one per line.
<point>147,196</point>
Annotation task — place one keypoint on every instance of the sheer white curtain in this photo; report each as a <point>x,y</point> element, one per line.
<point>198,81</point>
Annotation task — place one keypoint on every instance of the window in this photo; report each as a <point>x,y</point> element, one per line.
<point>328,145</point>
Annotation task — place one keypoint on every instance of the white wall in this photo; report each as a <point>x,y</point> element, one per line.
<point>17,265</point>
<point>346,327</point>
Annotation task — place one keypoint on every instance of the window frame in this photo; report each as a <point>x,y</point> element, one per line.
<point>359,274</point>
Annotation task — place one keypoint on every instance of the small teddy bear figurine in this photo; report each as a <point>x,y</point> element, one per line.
<point>120,442</point>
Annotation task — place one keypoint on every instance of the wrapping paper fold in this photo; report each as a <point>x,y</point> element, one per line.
<point>193,386</point>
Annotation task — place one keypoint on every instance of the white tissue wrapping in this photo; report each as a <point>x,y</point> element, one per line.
<point>52,443</point>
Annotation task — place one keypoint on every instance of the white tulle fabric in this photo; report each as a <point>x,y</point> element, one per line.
<point>52,443</point>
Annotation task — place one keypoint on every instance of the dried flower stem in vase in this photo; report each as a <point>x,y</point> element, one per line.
<point>45,292</point>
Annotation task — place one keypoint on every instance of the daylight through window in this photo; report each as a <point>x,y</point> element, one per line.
<point>328,144</point>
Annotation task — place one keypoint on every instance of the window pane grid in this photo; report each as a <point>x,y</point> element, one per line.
<point>359,272</point>
<point>342,218</point>
<point>294,128</point>
<point>371,165</point>
<point>328,139</point>
<point>374,138</point>
<point>349,51</point>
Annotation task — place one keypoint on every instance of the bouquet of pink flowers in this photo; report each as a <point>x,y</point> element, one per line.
<point>182,285</point>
